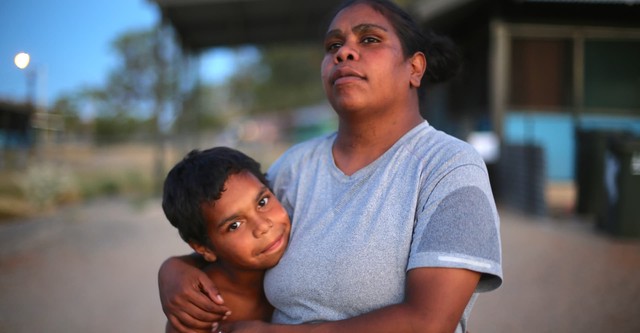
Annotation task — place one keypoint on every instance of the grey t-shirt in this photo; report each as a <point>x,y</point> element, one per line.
<point>426,202</point>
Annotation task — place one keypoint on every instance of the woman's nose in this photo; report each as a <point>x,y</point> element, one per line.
<point>346,52</point>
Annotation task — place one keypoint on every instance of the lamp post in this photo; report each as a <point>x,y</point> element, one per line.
<point>22,61</point>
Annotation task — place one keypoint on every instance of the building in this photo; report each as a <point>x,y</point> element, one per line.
<point>537,72</point>
<point>15,125</point>
<point>16,135</point>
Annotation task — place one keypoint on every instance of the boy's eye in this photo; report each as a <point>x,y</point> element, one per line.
<point>234,225</point>
<point>263,202</point>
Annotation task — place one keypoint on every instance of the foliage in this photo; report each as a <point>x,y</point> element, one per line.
<point>47,184</point>
<point>76,175</point>
<point>285,77</point>
<point>122,182</point>
<point>67,107</point>
<point>112,129</point>
<point>202,109</point>
<point>70,107</point>
<point>141,93</point>
<point>140,80</point>
<point>138,89</point>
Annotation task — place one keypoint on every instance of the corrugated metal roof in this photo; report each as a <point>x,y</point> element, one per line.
<point>203,24</point>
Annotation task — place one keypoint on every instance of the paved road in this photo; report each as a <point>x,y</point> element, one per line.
<point>93,269</point>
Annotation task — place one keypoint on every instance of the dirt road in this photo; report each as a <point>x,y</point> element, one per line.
<point>85,269</point>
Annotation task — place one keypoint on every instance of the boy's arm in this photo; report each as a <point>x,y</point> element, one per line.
<point>189,298</point>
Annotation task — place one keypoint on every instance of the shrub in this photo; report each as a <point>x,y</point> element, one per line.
<point>47,184</point>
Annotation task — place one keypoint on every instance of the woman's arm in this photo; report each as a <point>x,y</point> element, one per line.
<point>435,301</point>
<point>189,298</point>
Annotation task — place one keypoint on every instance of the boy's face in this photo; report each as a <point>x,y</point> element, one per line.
<point>247,226</point>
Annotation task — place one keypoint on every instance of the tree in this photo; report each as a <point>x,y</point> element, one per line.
<point>142,89</point>
<point>69,107</point>
<point>284,78</point>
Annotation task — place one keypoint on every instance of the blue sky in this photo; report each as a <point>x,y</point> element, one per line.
<point>70,43</point>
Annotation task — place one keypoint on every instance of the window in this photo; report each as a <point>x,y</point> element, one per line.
<point>541,74</point>
<point>612,75</point>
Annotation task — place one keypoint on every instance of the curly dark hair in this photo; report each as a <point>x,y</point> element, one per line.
<point>198,179</point>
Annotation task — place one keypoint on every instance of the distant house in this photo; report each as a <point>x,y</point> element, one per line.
<point>538,71</point>
<point>15,125</point>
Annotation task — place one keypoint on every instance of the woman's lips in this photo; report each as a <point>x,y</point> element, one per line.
<point>344,75</point>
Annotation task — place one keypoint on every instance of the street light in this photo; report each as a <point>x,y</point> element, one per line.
<point>22,60</point>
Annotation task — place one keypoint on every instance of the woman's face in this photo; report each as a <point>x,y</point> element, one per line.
<point>364,66</point>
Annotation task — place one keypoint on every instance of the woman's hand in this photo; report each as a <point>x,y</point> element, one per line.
<point>189,298</point>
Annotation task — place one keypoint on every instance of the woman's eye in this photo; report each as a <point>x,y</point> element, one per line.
<point>369,40</point>
<point>333,46</point>
<point>234,225</point>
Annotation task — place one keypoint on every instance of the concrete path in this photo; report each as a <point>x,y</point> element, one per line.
<point>93,269</point>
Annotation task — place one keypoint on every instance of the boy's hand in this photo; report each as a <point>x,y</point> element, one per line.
<point>189,298</point>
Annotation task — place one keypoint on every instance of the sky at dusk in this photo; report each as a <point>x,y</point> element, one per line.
<point>70,44</point>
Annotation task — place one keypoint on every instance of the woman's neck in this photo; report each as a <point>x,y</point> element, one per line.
<point>362,141</point>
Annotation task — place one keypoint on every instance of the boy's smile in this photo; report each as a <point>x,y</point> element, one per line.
<point>248,227</point>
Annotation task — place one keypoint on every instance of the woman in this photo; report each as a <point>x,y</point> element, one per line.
<point>394,227</point>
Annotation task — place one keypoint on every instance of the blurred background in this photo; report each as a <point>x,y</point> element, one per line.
<point>99,100</point>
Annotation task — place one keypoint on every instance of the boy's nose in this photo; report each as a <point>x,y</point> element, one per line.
<point>262,226</point>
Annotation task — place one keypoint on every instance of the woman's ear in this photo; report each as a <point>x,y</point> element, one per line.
<point>418,64</point>
<point>207,253</point>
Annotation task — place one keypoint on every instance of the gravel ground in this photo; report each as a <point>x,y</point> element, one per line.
<point>93,268</point>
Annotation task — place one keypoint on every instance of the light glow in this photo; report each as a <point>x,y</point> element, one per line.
<point>22,60</point>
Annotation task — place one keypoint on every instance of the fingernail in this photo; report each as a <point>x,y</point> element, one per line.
<point>214,326</point>
<point>226,315</point>
<point>220,298</point>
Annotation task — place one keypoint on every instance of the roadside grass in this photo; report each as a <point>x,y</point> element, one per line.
<point>61,175</point>
<point>64,175</point>
<point>12,201</point>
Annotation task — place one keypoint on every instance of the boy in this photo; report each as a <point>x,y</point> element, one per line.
<point>221,204</point>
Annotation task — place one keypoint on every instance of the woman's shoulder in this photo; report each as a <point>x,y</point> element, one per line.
<point>306,149</point>
<point>433,144</point>
<point>302,152</point>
